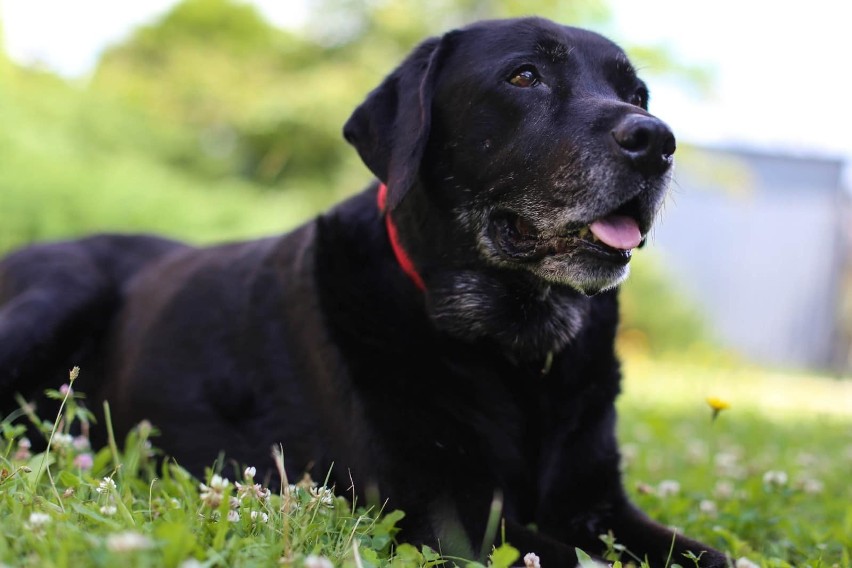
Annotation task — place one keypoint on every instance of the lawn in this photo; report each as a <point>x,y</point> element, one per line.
<point>767,480</point>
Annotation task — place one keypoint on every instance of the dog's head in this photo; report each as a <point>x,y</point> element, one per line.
<point>533,137</point>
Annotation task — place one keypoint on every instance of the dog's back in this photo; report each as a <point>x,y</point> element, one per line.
<point>57,300</point>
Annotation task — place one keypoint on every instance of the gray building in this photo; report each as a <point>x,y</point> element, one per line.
<point>760,242</point>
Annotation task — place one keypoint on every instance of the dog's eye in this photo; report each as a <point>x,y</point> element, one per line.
<point>526,76</point>
<point>640,98</point>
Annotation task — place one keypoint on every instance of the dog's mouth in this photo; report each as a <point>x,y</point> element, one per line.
<point>610,238</point>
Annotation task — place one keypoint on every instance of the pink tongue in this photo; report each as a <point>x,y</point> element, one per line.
<point>617,231</point>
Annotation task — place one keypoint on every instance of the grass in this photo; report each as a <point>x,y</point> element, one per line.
<point>766,480</point>
<point>72,505</point>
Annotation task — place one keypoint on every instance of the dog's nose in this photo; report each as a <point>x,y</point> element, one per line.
<point>646,141</point>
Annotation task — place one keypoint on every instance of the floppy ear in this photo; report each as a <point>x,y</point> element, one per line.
<point>391,127</point>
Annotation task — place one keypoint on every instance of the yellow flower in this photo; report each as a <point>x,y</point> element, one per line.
<point>717,405</point>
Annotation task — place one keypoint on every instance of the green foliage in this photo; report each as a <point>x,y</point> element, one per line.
<point>770,486</point>
<point>655,318</point>
<point>403,23</point>
<point>75,161</point>
<point>72,505</point>
<point>234,26</point>
<point>767,479</point>
<point>260,102</point>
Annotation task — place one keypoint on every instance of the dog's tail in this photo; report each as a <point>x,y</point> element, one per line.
<point>57,301</point>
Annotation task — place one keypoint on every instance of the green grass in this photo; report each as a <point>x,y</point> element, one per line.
<point>728,474</point>
<point>72,505</point>
<point>767,480</point>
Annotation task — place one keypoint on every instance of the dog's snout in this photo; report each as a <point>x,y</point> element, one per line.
<point>646,141</point>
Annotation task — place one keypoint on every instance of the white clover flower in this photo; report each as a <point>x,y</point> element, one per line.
<point>145,428</point>
<point>108,510</point>
<point>323,495</point>
<point>263,517</point>
<point>708,507</point>
<point>629,453</point>
<point>211,495</point>
<point>812,486</point>
<point>668,487</point>
<point>81,443</point>
<point>128,541</point>
<point>289,503</point>
<point>250,472</point>
<point>211,499</point>
<point>233,516</point>
<point>532,560</point>
<point>255,491</point>
<point>106,486</point>
<point>697,451</point>
<point>24,443</point>
<point>37,520</point>
<point>290,499</point>
<point>745,563</point>
<point>724,489</point>
<point>62,441</point>
<point>806,459</point>
<point>775,478</point>
<point>219,482</point>
<point>728,464</point>
<point>313,561</point>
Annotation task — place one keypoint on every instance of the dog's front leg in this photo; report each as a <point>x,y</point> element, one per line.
<point>637,532</point>
<point>582,497</point>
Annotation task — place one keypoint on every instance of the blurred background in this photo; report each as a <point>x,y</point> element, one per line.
<point>211,120</point>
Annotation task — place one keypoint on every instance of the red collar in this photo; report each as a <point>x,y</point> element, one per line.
<point>401,256</point>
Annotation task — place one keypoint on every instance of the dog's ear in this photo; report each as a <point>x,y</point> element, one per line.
<point>391,127</point>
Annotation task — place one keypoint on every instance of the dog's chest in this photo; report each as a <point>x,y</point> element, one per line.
<point>465,409</point>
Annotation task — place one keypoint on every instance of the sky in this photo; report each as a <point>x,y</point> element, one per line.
<point>782,71</point>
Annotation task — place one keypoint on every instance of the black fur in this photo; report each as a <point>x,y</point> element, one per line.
<point>495,383</point>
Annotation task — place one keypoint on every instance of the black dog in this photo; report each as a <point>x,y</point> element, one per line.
<point>446,337</point>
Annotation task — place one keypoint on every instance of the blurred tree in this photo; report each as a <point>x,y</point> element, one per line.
<point>252,94</point>
<point>656,318</point>
<point>405,22</point>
